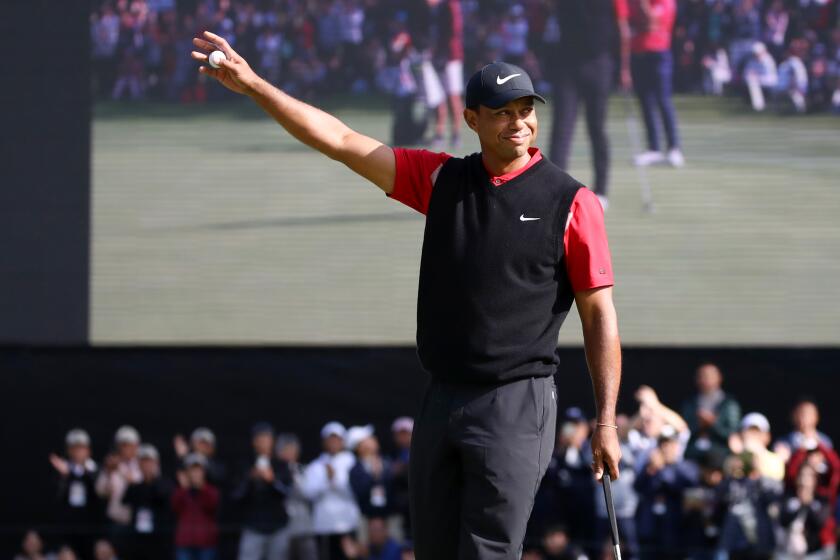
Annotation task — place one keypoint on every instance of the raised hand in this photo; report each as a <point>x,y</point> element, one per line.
<point>59,465</point>
<point>234,73</point>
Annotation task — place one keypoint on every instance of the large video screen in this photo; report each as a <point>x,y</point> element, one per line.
<point>212,225</point>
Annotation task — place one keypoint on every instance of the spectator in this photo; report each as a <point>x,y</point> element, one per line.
<point>104,550</point>
<point>557,546</point>
<point>652,67</point>
<point>660,486</point>
<point>203,441</point>
<point>826,464</point>
<point>754,438</point>
<point>196,506</point>
<point>370,477</point>
<point>261,495</point>
<point>803,517</point>
<point>302,544</point>
<point>32,547</point>
<point>716,71</point>
<point>79,508</point>
<point>120,470</point>
<point>566,492</point>
<point>711,415</point>
<point>747,530</point>
<point>805,419</point>
<point>150,509</point>
<point>327,484</point>
<point>793,79</point>
<point>760,75</point>
<point>648,424</point>
<point>380,545</point>
<point>703,508</point>
<point>65,552</point>
<point>401,429</point>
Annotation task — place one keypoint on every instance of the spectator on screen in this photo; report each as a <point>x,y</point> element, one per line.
<point>660,485</point>
<point>754,437</point>
<point>120,470</point>
<point>805,418</point>
<point>261,496</point>
<point>79,508</point>
<point>149,501</point>
<point>327,484</point>
<point>370,477</point>
<point>711,415</point>
<point>302,546</point>
<point>196,506</point>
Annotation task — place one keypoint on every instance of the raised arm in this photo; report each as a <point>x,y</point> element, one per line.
<point>603,356</point>
<point>370,158</point>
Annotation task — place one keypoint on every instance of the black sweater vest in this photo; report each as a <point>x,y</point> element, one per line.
<point>493,284</point>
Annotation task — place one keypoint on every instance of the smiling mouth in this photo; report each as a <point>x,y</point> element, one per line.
<point>517,138</point>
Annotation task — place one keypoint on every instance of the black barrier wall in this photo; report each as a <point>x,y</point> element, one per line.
<point>161,391</point>
<point>44,172</point>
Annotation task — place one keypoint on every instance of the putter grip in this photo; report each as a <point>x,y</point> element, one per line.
<point>611,513</point>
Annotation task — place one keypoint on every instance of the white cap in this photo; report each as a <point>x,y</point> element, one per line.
<point>356,434</point>
<point>333,429</point>
<point>127,434</point>
<point>77,436</point>
<point>203,434</point>
<point>147,451</point>
<point>403,424</point>
<point>755,420</point>
<point>758,48</point>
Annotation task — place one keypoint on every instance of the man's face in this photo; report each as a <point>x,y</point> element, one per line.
<point>149,467</point>
<point>368,447</point>
<point>506,132</point>
<point>377,532</point>
<point>78,453</point>
<point>333,444</point>
<point>806,417</point>
<point>289,453</point>
<point>127,450</point>
<point>263,443</point>
<point>402,438</point>
<point>709,378</point>
<point>204,447</point>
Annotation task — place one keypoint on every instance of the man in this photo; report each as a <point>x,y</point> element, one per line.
<point>711,415</point>
<point>79,506</point>
<point>196,507</point>
<point>149,501</point>
<point>652,66</point>
<point>805,418</point>
<point>261,496</point>
<point>510,242</point>
<point>120,469</point>
<point>582,69</point>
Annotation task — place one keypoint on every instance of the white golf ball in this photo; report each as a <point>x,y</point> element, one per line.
<point>215,58</point>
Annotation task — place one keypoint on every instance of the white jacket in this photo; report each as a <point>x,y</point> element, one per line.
<point>334,506</point>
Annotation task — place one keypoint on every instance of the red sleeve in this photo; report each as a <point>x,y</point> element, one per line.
<point>622,11</point>
<point>588,261</point>
<point>416,171</point>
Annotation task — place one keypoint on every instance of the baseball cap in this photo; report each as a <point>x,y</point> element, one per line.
<point>668,433</point>
<point>147,451</point>
<point>755,420</point>
<point>356,434</point>
<point>403,424</point>
<point>333,429</point>
<point>497,83</point>
<point>76,436</point>
<point>203,434</point>
<point>574,414</point>
<point>127,434</point>
<point>262,428</point>
<point>195,459</point>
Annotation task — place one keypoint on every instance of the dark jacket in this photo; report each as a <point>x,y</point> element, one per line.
<point>728,414</point>
<point>196,511</point>
<point>373,494</point>
<point>262,505</point>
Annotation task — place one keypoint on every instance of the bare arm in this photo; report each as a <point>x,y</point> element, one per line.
<point>603,356</point>
<point>370,158</point>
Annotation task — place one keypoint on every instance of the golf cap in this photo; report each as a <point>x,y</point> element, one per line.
<point>77,437</point>
<point>498,83</point>
<point>333,429</point>
<point>755,420</point>
<point>357,434</point>
<point>203,434</point>
<point>403,424</point>
<point>195,459</point>
<point>574,414</point>
<point>147,451</point>
<point>127,434</point>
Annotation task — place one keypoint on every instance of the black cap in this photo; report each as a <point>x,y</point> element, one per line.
<point>497,83</point>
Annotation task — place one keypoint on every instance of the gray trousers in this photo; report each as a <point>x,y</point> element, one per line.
<point>478,454</point>
<point>264,546</point>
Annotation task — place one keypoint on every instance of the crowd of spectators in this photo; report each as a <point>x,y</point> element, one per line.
<point>784,50</point>
<point>700,481</point>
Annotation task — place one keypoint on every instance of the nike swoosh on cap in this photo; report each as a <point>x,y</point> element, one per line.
<point>500,80</point>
